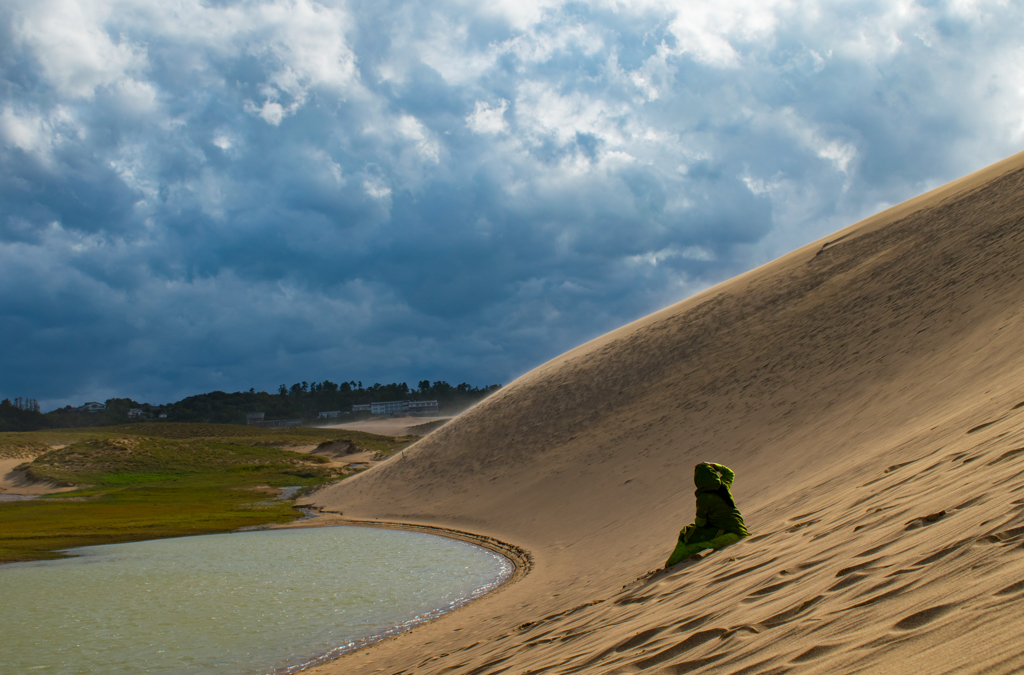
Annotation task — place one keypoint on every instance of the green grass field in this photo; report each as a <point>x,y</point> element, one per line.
<point>149,481</point>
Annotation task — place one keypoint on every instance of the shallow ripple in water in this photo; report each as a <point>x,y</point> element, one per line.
<point>251,602</point>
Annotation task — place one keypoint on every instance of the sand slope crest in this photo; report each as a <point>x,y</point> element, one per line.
<point>868,390</point>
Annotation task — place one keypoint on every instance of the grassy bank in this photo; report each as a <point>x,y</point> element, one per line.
<point>149,481</point>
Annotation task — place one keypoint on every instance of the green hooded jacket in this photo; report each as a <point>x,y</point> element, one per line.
<point>716,509</point>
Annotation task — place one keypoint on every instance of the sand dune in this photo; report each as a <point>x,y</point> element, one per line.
<point>867,389</point>
<point>16,482</point>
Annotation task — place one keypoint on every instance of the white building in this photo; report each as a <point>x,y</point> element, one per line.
<point>361,406</point>
<point>135,413</point>
<point>93,407</point>
<point>329,415</point>
<point>389,407</point>
<point>393,408</point>
<point>422,407</point>
<point>254,419</point>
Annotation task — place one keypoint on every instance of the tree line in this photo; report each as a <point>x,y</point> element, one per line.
<point>20,415</point>
<point>302,400</point>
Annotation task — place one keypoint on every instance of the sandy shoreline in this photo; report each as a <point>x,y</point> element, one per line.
<point>867,391</point>
<point>520,560</point>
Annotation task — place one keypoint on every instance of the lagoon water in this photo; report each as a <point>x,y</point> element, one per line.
<point>250,602</point>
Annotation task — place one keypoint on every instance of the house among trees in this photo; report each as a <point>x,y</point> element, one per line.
<point>422,407</point>
<point>392,408</point>
<point>255,419</point>
<point>93,407</point>
<point>389,407</point>
<point>329,415</point>
<point>135,413</point>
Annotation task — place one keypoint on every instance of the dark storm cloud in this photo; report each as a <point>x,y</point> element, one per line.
<point>200,195</point>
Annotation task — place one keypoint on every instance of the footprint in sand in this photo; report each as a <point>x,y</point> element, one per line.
<point>925,616</point>
<point>924,520</point>
<point>692,642</point>
<point>768,590</point>
<point>788,615</point>
<point>637,640</point>
<point>693,623</point>
<point>1012,588</point>
<point>981,426</point>
<point>815,653</point>
<point>739,573</point>
<point>1009,454</point>
<point>846,582</point>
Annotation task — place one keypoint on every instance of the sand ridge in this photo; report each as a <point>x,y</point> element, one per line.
<point>867,389</point>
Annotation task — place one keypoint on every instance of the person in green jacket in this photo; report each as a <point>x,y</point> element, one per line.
<point>718,522</point>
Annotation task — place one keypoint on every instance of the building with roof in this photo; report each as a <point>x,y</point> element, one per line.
<point>393,408</point>
<point>422,407</point>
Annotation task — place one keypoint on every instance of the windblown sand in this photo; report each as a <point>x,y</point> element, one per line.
<point>397,426</point>
<point>868,390</point>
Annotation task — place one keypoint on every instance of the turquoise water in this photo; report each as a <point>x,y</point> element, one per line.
<point>250,602</point>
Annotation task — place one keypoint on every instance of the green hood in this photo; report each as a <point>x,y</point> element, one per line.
<point>705,477</point>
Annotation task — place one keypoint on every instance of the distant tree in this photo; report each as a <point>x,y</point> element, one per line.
<point>282,390</point>
<point>21,415</point>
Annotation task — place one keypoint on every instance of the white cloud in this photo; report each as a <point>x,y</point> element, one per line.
<point>839,152</point>
<point>413,130</point>
<point>223,141</point>
<point>271,111</point>
<point>131,166</point>
<point>710,31</point>
<point>487,120</point>
<point>526,173</point>
<point>307,42</point>
<point>39,134</point>
<point>542,110</point>
<point>376,188</point>
<point>76,54</point>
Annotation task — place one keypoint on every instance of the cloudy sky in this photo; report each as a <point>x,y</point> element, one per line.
<point>221,194</point>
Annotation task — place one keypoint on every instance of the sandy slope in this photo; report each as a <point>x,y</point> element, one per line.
<point>15,482</point>
<point>869,392</point>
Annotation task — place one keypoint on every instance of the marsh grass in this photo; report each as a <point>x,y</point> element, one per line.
<point>150,481</point>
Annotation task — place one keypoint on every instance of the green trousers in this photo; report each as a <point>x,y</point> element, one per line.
<point>684,550</point>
